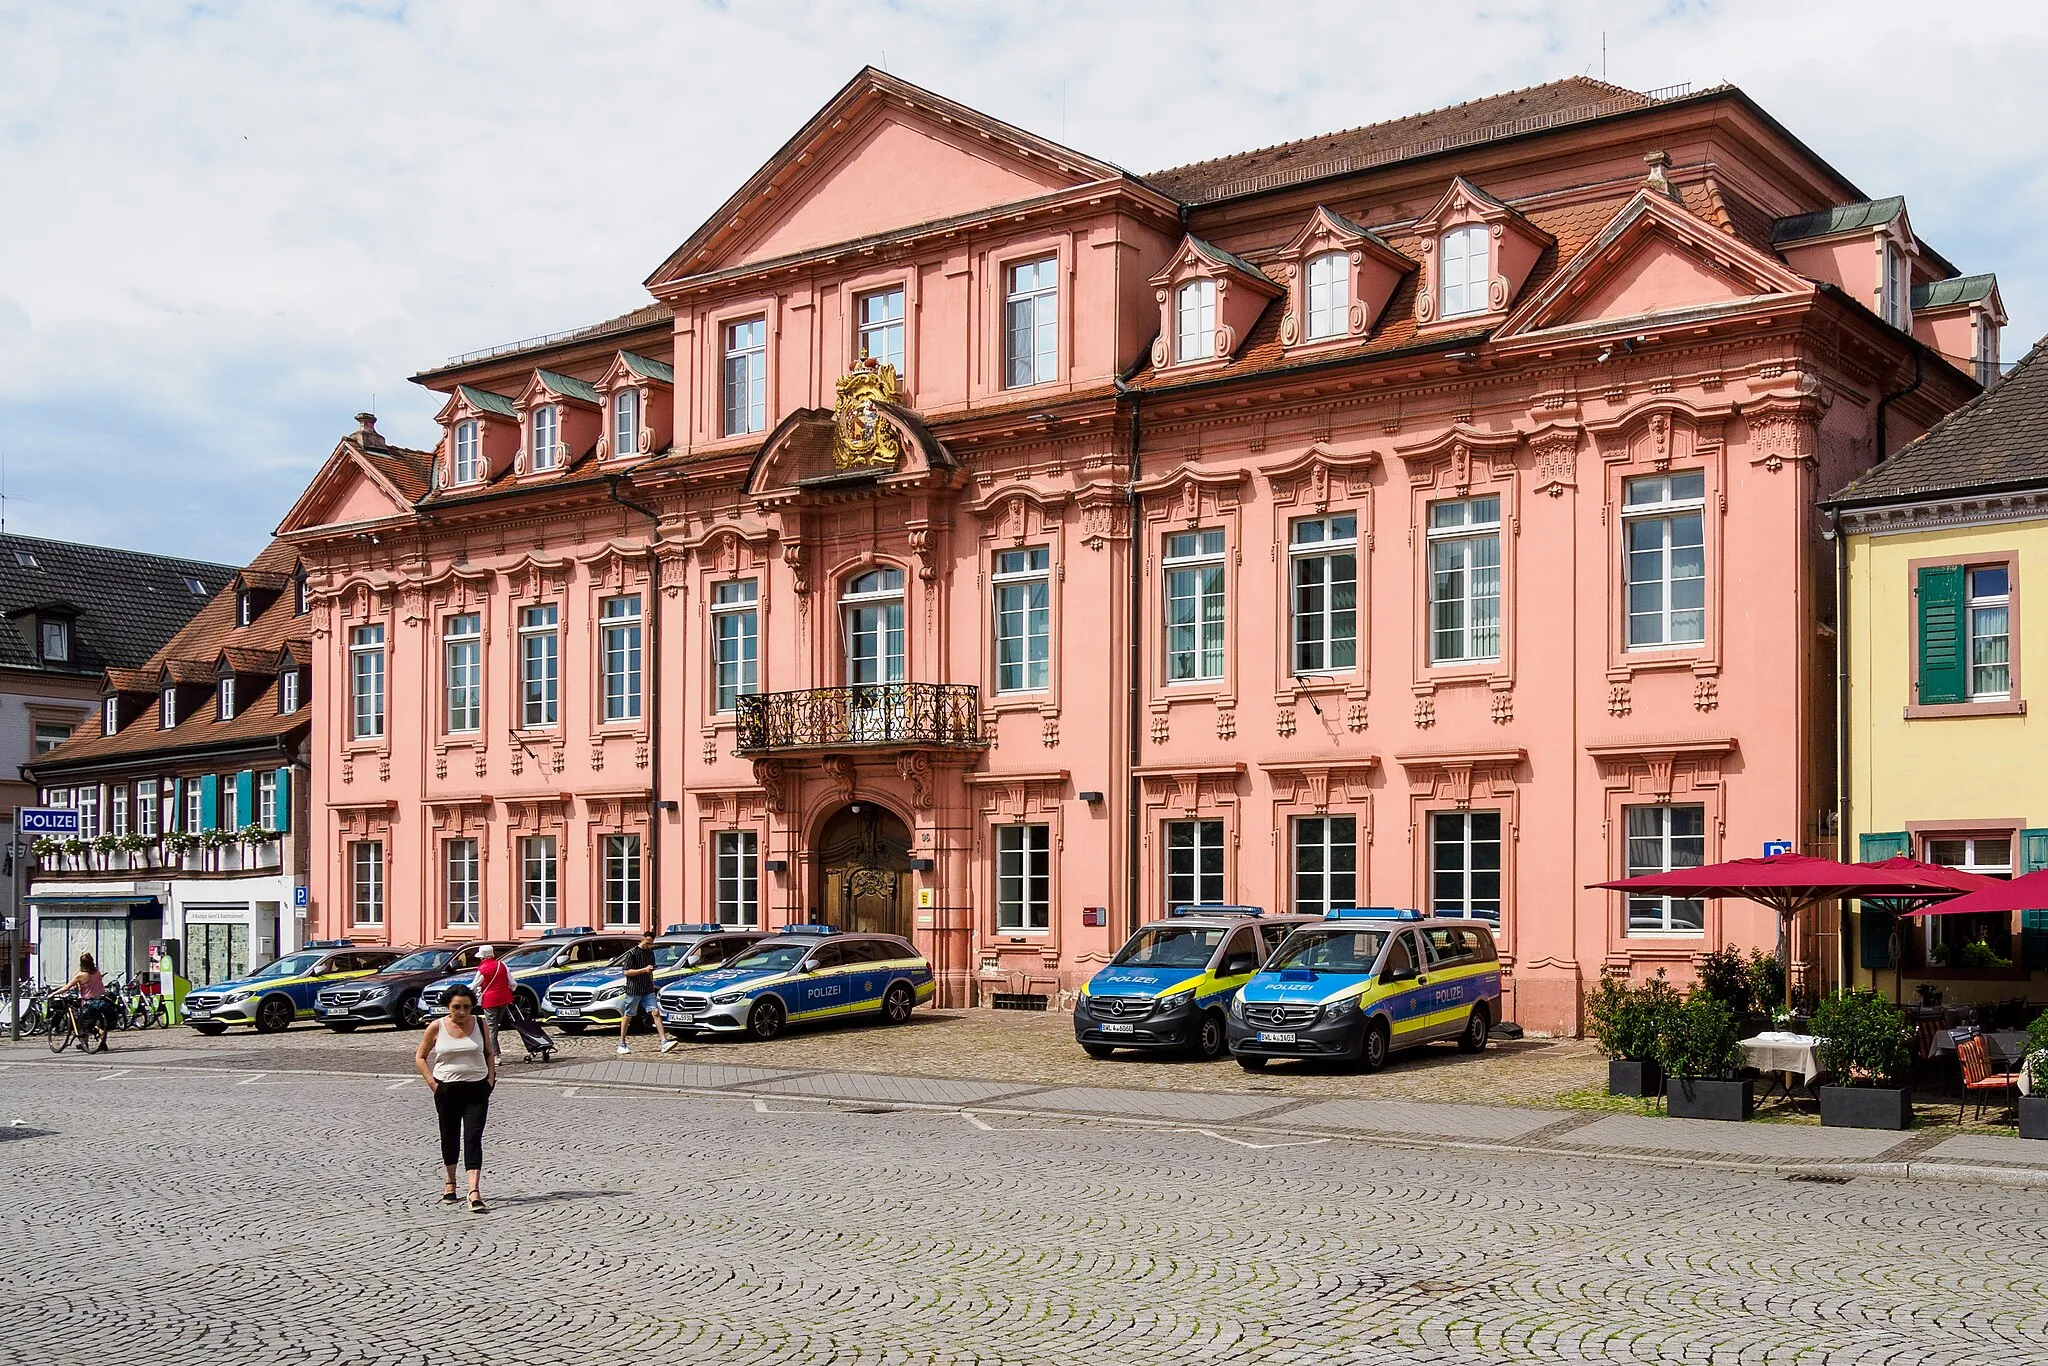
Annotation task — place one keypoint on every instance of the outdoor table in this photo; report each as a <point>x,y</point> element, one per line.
<point>2006,1043</point>
<point>1783,1055</point>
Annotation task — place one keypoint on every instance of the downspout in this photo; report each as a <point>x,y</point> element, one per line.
<point>1842,812</point>
<point>1134,712</point>
<point>1919,374</point>
<point>1845,964</point>
<point>654,903</point>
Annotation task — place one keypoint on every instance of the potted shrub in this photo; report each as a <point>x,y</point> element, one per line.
<point>2034,1106</point>
<point>177,843</point>
<point>1724,975</point>
<point>1863,1046</point>
<point>1699,1050</point>
<point>1626,1020</point>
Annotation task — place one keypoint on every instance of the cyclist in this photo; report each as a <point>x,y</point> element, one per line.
<point>92,994</point>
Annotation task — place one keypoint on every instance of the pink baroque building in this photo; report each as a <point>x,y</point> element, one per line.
<point>977,540</point>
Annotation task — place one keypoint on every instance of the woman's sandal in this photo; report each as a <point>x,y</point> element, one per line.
<point>477,1205</point>
<point>448,1196</point>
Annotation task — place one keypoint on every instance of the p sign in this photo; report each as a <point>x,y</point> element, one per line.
<point>299,897</point>
<point>1772,848</point>
<point>45,820</point>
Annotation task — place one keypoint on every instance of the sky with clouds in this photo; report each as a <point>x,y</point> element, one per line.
<point>230,225</point>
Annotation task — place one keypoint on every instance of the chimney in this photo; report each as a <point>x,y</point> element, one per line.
<point>1659,181</point>
<point>366,431</point>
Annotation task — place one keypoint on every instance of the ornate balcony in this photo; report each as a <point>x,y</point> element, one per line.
<point>876,715</point>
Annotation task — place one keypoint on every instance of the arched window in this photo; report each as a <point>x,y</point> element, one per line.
<point>1194,312</point>
<point>468,467</point>
<point>546,436</point>
<point>871,617</point>
<point>1461,270</point>
<point>1329,296</point>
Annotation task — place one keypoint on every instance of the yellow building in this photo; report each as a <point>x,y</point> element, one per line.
<point>1945,759</point>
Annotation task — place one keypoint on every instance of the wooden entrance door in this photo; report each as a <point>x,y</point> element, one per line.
<point>864,870</point>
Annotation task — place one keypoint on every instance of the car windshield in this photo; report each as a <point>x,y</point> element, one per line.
<point>1330,950</point>
<point>297,965</point>
<point>668,955</point>
<point>1172,946</point>
<point>531,954</point>
<point>426,960</point>
<point>777,957</point>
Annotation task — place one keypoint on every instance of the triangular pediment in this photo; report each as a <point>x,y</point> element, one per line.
<point>881,156</point>
<point>1654,257</point>
<point>347,491</point>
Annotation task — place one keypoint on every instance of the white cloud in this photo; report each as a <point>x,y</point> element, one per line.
<point>228,225</point>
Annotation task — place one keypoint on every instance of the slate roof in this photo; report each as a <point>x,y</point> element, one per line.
<point>1225,258</point>
<point>1962,289</point>
<point>569,387</point>
<point>645,316</point>
<point>1999,438</point>
<point>128,603</point>
<point>191,656</point>
<point>1857,217</point>
<point>649,368</point>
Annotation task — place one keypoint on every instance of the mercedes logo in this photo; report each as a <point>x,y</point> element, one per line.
<point>1113,1006</point>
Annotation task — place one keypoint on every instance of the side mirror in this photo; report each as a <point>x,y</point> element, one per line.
<point>1397,975</point>
<point>1242,963</point>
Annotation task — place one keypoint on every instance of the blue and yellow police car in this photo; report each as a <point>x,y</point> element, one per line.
<point>802,974</point>
<point>537,965</point>
<point>593,998</point>
<point>1367,980</point>
<point>1169,985</point>
<point>284,990</point>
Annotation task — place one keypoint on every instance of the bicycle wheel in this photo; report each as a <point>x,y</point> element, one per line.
<point>34,1020</point>
<point>62,1029</point>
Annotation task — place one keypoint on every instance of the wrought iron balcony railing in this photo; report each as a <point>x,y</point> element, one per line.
<point>932,715</point>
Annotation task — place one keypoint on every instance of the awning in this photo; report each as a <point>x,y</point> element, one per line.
<point>130,904</point>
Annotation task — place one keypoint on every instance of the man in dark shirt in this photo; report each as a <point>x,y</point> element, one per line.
<point>638,962</point>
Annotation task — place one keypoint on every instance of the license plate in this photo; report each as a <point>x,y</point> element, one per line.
<point>568,1012</point>
<point>197,1014</point>
<point>333,1010</point>
<point>1119,1029</point>
<point>1276,1036</point>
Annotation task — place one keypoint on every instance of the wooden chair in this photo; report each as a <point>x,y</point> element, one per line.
<point>1978,1078</point>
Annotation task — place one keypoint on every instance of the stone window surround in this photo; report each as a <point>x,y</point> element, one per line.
<point>848,293</point>
<point>1186,792</point>
<point>617,571</point>
<point>1319,482</point>
<point>1037,798</point>
<point>1014,517</point>
<point>995,263</point>
<point>1304,787</point>
<point>1670,770</point>
<point>708,415</point>
<point>1464,780</point>
<point>461,817</point>
<point>2014,703</point>
<point>1189,498</point>
<point>1463,462</point>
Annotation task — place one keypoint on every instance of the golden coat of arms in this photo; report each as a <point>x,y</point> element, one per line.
<point>860,437</point>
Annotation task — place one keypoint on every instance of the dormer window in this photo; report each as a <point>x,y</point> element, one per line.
<point>546,436</point>
<point>56,641</point>
<point>1194,312</point>
<point>245,607</point>
<point>227,699</point>
<point>1461,272</point>
<point>468,452</point>
<point>1893,291</point>
<point>1329,295</point>
<point>288,691</point>
<point>302,598</point>
<point>167,709</point>
<point>1987,350</point>
<point>110,716</point>
<point>626,422</point>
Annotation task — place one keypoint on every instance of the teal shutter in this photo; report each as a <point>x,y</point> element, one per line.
<point>1875,937</point>
<point>209,802</point>
<point>284,800</point>
<point>245,796</point>
<point>2033,850</point>
<point>1938,595</point>
<point>2034,940</point>
<point>174,792</point>
<point>1879,847</point>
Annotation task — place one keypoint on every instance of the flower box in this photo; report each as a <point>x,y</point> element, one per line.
<point>1705,1098</point>
<point>1865,1107</point>
<point>1626,1077</point>
<point>2034,1117</point>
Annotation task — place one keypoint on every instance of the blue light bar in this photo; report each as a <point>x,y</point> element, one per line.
<point>564,931</point>
<point>1373,913</point>
<point>330,943</point>
<point>1208,908</point>
<point>699,927</point>
<point>809,929</point>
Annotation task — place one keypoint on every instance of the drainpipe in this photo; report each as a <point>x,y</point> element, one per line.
<point>1845,963</point>
<point>1134,709</point>
<point>1919,374</point>
<point>654,903</point>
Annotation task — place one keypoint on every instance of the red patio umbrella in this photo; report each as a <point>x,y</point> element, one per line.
<point>2028,893</point>
<point>1788,884</point>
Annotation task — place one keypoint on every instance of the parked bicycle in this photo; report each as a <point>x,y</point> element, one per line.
<point>73,1018</point>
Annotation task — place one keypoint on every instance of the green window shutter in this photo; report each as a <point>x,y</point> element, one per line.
<point>209,802</point>
<point>245,796</point>
<point>1938,596</point>
<point>284,800</point>
<point>174,802</point>
<point>2033,850</point>
<point>1875,937</point>
<point>1879,847</point>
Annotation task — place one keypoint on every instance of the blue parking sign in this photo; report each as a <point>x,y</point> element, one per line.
<point>299,895</point>
<point>1772,848</point>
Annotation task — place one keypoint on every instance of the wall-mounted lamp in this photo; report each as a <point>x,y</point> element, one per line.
<point>667,806</point>
<point>1092,798</point>
<point>920,865</point>
<point>776,865</point>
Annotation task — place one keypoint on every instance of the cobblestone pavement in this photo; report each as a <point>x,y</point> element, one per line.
<point>215,1216</point>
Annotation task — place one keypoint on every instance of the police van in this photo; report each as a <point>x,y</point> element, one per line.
<point>1364,981</point>
<point>1168,986</point>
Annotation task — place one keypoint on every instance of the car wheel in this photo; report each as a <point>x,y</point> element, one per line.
<point>528,1003</point>
<point>1379,1043</point>
<point>409,1015</point>
<point>1101,1052</point>
<point>210,1028</point>
<point>1473,1040</point>
<point>897,1003</point>
<point>568,1028</point>
<point>765,1020</point>
<point>1211,1041</point>
<point>348,1028</point>
<point>274,1015</point>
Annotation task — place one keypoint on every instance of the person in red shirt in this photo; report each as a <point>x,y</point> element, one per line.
<point>494,992</point>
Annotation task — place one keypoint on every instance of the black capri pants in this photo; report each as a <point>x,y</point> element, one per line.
<point>462,1107</point>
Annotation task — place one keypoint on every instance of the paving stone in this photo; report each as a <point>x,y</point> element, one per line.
<point>1152,1104</point>
<point>910,1090</point>
<point>1990,1148</point>
<point>1419,1117</point>
<point>1790,1142</point>
<point>655,1073</point>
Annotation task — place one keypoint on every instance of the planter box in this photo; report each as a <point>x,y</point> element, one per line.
<point>1625,1078</point>
<point>2034,1116</point>
<point>1865,1107</point>
<point>1700,1098</point>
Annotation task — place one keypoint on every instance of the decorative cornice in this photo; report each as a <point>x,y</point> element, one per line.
<point>1958,509</point>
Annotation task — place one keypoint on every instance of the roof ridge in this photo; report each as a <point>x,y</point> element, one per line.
<point>12,536</point>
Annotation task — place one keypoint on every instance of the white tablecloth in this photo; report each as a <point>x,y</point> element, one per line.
<point>1777,1051</point>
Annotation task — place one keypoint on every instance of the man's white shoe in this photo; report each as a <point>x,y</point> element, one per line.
<point>668,1044</point>
<point>624,1049</point>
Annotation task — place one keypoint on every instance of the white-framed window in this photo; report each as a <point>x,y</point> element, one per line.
<point>1989,855</point>
<point>619,648</point>
<point>1661,838</point>
<point>366,682</point>
<point>539,882</point>
<point>1194,862</point>
<point>146,808</point>
<point>49,735</point>
<point>110,716</point>
<point>1894,290</point>
<point>871,615</point>
<point>1461,271</point>
<point>461,881</point>
<point>1987,350</point>
<point>736,877</point>
<point>1329,296</point>
<point>167,709</point>
<point>89,811</point>
<point>195,805</point>
<point>226,693</point>
<point>880,316</point>
<point>626,422</point>
<point>245,607</point>
<point>266,799</point>
<point>1194,606</point>
<point>1031,319</point>
<point>462,673</point>
<point>469,465</point>
<point>621,879</point>
<point>1194,320</point>
<point>56,637</point>
<point>546,423</point>
<point>117,809</point>
<point>302,596</point>
<point>366,882</point>
<point>540,666</point>
<point>1663,519</point>
<point>1989,607</point>
<point>1023,878</point>
<point>288,691</point>
<point>1464,864</point>
<point>1464,580</point>
<point>735,642</point>
<point>1023,611</point>
<point>744,385</point>
<point>1323,590</point>
<point>1325,863</point>
<point>59,797</point>
<point>230,803</point>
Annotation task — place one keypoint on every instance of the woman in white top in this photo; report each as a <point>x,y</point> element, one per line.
<point>459,1067</point>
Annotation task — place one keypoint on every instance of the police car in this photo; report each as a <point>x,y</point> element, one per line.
<point>537,965</point>
<point>804,973</point>
<point>1365,981</point>
<point>392,995</point>
<point>1168,986</point>
<point>592,998</point>
<point>283,991</point>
